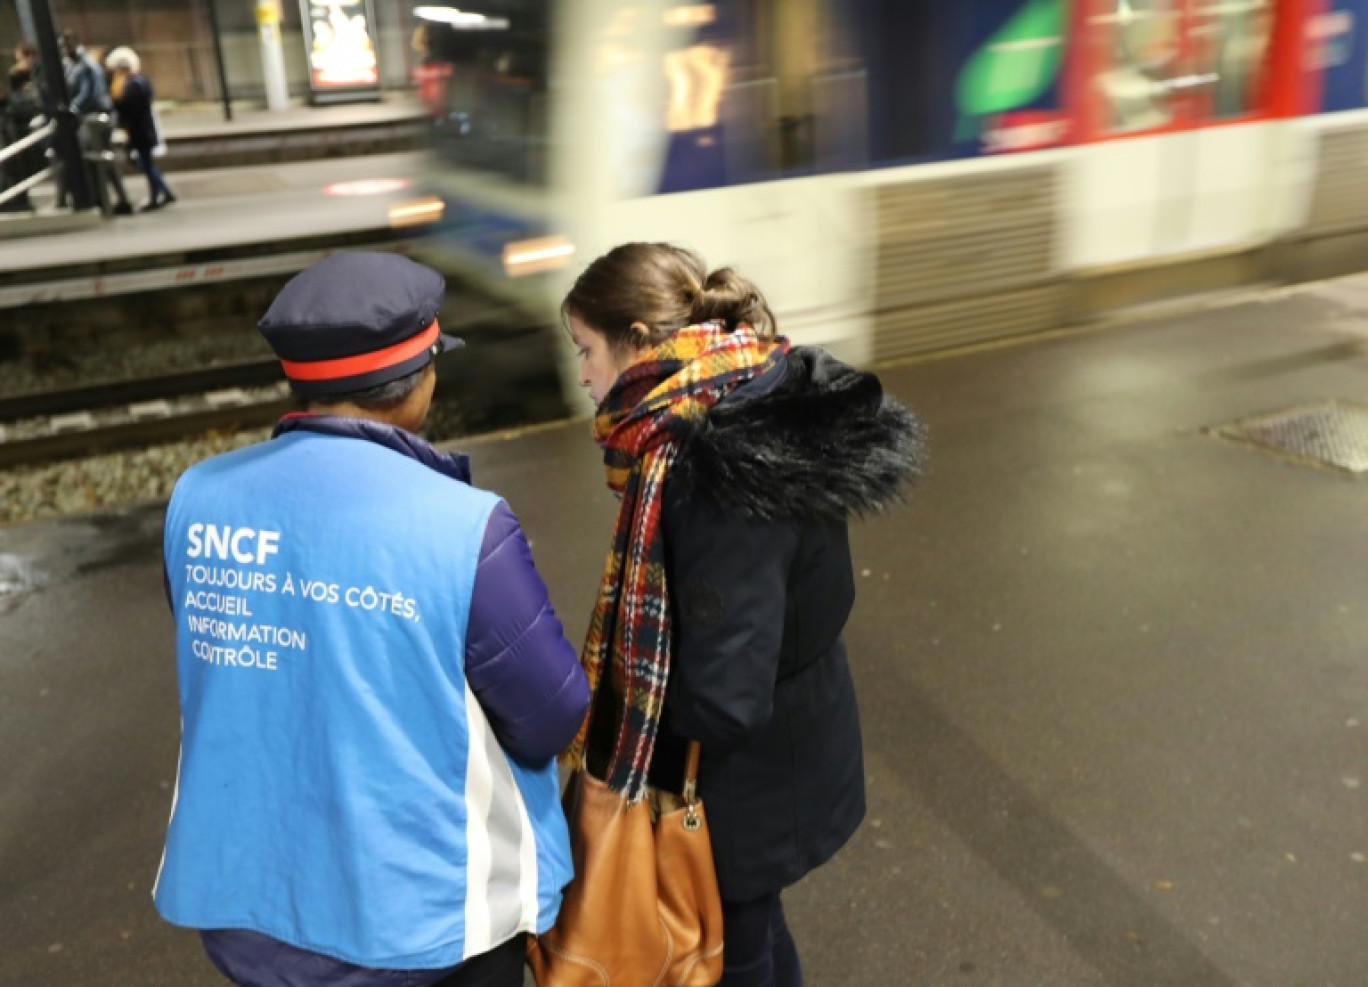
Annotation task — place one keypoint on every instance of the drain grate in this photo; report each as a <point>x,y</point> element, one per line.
<point>1332,434</point>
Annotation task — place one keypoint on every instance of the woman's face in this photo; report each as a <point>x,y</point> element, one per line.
<point>600,365</point>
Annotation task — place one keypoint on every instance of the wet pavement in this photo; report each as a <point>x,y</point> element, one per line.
<point>1112,667</point>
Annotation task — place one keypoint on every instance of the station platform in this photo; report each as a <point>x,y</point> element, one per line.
<point>1111,665</point>
<point>198,135</point>
<point>187,121</point>
<point>224,217</point>
<point>257,181</point>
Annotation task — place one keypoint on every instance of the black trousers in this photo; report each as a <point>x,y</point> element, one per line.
<point>502,966</point>
<point>758,950</point>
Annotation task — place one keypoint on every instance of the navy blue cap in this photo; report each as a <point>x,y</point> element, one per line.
<point>356,320</point>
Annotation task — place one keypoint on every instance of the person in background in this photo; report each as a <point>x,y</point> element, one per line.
<point>432,74</point>
<point>23,105</point>
<point>738,460</point>
<point>88,98</point>
<point>373,683</point>
<point>132,95</point>
<point>26,55</point>
<point>87,90</point>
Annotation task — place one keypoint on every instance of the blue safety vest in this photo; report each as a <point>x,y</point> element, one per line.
<point>339,787</point>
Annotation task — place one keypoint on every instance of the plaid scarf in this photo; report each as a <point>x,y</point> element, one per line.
<point>639,425</point>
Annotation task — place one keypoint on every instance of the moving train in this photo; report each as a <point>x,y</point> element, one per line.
<point>902,175</point>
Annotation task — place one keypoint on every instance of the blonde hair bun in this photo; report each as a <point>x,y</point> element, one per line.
<point>123,58</point>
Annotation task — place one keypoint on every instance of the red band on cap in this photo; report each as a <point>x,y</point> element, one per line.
<point>355,366</point>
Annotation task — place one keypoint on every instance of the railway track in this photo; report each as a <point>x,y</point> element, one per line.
<point>157,386</point>
<point>106,416</point>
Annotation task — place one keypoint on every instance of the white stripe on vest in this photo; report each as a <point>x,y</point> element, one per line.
<point>501,861</point>
<point>175,798</point>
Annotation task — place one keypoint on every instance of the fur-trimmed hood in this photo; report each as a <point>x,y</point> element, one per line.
<point>819,442</point>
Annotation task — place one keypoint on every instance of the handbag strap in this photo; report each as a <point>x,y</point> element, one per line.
<point>692,820</point>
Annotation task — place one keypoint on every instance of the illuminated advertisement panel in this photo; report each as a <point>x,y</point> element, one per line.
<point>339,42</point>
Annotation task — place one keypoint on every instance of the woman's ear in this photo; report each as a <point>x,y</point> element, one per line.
<point>641,335</point>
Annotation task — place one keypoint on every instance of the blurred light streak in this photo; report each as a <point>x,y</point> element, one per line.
<point>547,253</point>
<point>460,19</point>
<point>417,212</point>
<point>367,186</point>
<point>693,15</point>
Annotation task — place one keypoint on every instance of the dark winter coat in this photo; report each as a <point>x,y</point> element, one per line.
<point>24,104</point>
<point>759,569</point>
<point>135,114</point>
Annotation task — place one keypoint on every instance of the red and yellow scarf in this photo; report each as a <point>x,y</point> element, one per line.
<point>639,425</point>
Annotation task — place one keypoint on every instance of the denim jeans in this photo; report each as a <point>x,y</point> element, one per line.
<point>251,959</point>
<point>157,189</point>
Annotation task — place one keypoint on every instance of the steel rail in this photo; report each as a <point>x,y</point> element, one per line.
<point>110,438</point>
<point>123,401</point>
<point>58,401</point>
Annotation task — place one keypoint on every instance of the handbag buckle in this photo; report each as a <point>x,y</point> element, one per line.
<point>692,820</point>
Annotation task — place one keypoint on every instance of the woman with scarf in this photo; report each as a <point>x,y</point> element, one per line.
<point>738,459</point>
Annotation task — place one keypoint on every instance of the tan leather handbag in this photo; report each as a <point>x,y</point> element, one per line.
<point>643,908</point>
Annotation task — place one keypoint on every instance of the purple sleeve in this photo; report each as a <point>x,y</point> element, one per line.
<point>523,671</point>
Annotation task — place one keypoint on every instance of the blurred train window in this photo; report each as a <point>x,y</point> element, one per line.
<point>1137,50</point>
<point>1231,41</point>
<point>760,89</point>
<point>1157,64</point>
<point>484,79</point>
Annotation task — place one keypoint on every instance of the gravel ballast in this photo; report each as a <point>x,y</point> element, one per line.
<point>110,481</point>
<point>147,475</point>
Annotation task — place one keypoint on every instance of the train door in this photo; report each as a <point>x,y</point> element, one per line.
<point>1175,107</point>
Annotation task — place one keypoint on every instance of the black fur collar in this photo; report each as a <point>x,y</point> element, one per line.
<point>819,443</point>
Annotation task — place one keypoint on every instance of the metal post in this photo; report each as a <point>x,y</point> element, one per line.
<point>272,54</point>
<point>218,58</point>
<point>65,141</point>
<point>26,26</point>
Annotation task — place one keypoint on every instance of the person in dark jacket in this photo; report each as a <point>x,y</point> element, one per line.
<point>88,98</point>
<point>132,95</point>
<point>738,459</point>
<point>373,683</point>
<point>87,87</point>
<point>23,105</point>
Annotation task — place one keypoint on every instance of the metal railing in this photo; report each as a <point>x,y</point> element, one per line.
<point>96,155</point>
<point>19,147</point>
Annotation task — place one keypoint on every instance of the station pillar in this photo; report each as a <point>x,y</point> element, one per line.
<point>272,54</point>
